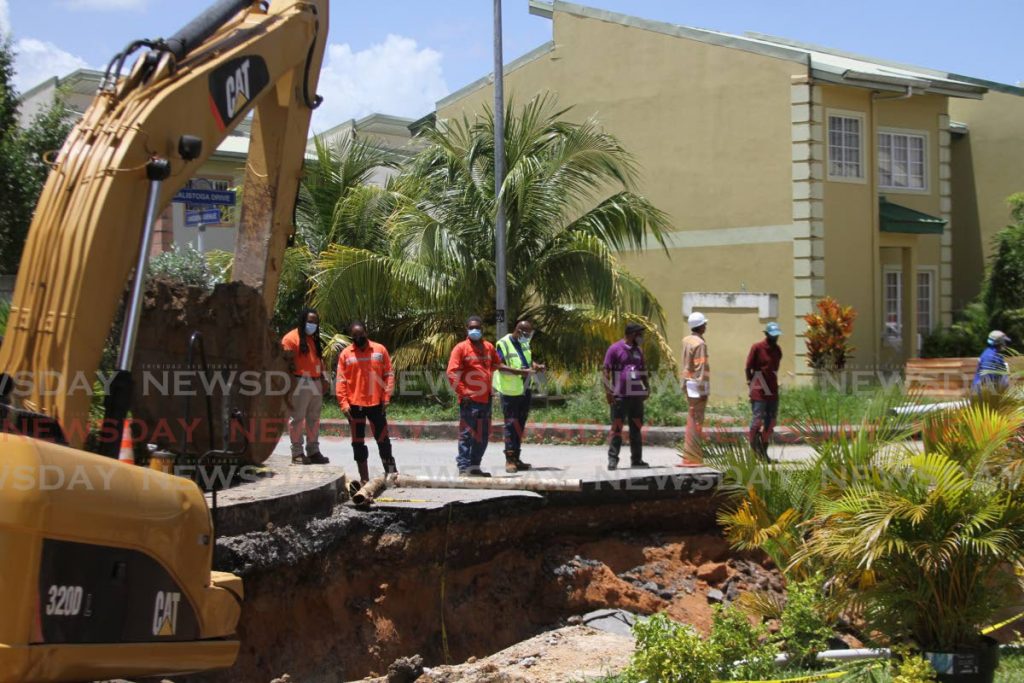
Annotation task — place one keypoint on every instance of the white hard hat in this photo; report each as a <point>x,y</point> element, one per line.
<point>697,319</point>
<point>998,337</point>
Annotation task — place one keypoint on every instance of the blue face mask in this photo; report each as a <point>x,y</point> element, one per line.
<point>475,334</point>
<point>311,328</point>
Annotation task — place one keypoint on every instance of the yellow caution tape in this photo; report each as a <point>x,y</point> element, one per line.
<point>828,675</point>
<point>995,627</point>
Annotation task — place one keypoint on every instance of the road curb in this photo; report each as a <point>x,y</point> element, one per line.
<point>567,433</point>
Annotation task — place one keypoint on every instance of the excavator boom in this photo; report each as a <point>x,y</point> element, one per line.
<point>105,569</point>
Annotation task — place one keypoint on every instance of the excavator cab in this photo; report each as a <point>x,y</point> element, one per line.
<point>105,568</point>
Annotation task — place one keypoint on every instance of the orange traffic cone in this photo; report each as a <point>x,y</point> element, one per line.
<point>127,452</point>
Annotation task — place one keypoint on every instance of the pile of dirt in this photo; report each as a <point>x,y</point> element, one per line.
<point>248,379</point>
<point>572,653</point>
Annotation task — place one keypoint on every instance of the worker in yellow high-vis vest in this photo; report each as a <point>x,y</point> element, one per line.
<point>513,385</point>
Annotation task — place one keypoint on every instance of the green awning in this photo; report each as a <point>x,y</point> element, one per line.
<point>896,218</point>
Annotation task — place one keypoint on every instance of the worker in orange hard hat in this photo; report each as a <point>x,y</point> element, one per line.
<point>364,386</point>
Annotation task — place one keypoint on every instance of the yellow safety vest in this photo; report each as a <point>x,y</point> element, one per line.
<point>503,382</point>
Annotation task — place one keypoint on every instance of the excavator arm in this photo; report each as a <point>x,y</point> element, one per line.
<point>105,569</point>
<point>142,139</point>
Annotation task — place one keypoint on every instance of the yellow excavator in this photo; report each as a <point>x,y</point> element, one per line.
<point>105,568</point>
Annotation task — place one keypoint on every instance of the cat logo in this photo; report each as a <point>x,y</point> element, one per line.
<point>236,89</point>
<point>165,613</point>
<point>234,85</point>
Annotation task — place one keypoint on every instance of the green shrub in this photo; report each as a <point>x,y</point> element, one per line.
<point>736,639</point>
<point>182,264</point>
<point>5,312</point>
<point>668,652</point>
<point>804,631</point>
<point>911,668</point>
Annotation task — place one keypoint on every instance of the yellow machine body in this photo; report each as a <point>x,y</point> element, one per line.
<point>105,570</point>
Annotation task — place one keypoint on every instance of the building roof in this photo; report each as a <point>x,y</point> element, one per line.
<point>383,124</point>
<point>87,81</point>
<point>824,64</point>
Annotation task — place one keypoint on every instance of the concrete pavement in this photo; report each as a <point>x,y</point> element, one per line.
<point>437,458</point>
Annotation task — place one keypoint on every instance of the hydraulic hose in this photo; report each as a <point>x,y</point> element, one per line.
<point>204,26</point>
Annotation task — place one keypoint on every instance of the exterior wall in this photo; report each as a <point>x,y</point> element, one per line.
<point>988,166</point>
<point>853,244</point>
<point>710,128</point>
<point>730,331</point>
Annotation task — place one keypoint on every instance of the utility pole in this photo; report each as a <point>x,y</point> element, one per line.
<point>500,274</point>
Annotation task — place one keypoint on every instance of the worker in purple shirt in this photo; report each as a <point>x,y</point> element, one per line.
<point>626,388</point>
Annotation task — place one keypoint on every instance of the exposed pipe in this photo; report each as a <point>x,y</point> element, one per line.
<point>371,489</point>
<point>491,483</point>
<point>876,96</point>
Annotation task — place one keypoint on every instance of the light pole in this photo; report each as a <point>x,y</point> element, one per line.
<point>501,302</point>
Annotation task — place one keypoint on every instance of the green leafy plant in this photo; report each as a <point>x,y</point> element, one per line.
<point>746,651</point>
<point>908,667</point>
<point>922,544</point>
<point>183,264</point>
<point>828,335</point>
<point>669,652</point>
<point>805,628</point>
<point>23,170</point>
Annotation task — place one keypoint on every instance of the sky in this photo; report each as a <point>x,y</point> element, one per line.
<point>400,56</point>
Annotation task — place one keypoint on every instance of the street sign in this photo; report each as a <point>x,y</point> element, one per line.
<point>208,197</point>
<point>206,216</point>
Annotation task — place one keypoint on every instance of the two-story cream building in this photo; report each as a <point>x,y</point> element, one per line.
<point>789,172</point>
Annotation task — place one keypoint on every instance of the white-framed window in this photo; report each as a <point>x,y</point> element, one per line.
<point>925,302</point>
<point>845,145</point>
<point>903,160</point>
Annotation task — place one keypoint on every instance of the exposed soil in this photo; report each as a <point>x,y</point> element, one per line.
<point>342,598</point>
<point>572,653</point>
<point>249,372</point>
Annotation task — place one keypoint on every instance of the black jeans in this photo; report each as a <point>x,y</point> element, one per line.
<point>631,410</point>
<point>516,410</point>
<point>378,420</point>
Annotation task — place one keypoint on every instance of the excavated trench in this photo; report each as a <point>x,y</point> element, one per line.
<point>342,597</point>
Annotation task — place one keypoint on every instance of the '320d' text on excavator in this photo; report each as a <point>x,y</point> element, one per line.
<point>109,574</point>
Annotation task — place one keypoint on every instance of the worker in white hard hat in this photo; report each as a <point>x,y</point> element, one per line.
<point>993,373</point>
<point>697,384</point>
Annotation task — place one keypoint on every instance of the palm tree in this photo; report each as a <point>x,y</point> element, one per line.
<point>570,200</point>
<point>336,204</point>
<point>924,547</point>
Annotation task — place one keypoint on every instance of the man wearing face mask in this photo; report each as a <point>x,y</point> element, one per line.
<point>626,388</point>
<point>513,385</point>
<point>308,395</point>
<point>470,370</point>
<point>763,379</point>
<point>364,387</point>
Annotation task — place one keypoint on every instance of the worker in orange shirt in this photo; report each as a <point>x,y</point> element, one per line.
<point>471,369</point>
<point>364,386</point>
<point>303,343</point>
